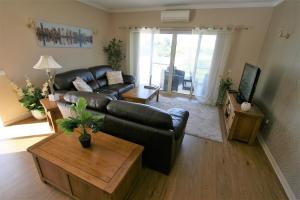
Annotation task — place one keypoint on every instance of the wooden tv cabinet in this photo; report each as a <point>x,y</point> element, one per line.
<point>241,125</point>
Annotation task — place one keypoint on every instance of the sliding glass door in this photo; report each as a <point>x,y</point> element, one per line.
<point>184,62</point>
<point>162,46</point>
<point>175,61</point>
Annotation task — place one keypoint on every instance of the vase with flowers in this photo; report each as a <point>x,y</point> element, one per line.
<point>30,97</point>
<point>82,120</point>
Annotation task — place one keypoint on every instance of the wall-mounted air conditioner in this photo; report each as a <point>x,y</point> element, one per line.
<point>175,16</point>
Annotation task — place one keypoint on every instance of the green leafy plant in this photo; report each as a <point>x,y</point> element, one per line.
<point>224,85</point>
<point>114,53</point>
<point>30,96</point>
<point>82,119</point>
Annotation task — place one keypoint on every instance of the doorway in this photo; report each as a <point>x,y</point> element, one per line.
<point>175,60</point>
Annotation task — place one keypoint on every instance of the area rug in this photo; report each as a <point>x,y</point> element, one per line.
<point>204,120</point>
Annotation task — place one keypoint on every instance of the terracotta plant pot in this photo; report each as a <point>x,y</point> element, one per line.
<point>85,140</point>
<point>37,114</point>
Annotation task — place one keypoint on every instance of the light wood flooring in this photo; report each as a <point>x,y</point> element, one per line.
<point>204,170</point>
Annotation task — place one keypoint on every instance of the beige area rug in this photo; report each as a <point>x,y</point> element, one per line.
<point>204,120</point>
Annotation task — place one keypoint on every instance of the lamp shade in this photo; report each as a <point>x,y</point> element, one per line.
<point>46,62</point>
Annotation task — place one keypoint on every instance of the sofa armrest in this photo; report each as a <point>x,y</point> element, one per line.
<point>128,79</point>
<point>179,120</point>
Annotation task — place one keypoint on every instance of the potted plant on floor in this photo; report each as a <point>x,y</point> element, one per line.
<point>30,97</point>
<point>114,53</point>
<point>83,120</point>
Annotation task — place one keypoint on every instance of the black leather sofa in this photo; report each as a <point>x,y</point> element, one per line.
<point>160,132</point>
<point>95,77</point>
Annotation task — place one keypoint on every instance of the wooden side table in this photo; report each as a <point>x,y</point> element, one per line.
<point>52,112</point>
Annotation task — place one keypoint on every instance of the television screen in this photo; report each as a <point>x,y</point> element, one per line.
<point>248,82</point>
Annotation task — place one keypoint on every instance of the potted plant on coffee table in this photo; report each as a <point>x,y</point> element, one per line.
<point>83,120</point>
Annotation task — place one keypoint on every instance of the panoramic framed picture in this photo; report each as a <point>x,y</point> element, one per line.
<point>62,36</point>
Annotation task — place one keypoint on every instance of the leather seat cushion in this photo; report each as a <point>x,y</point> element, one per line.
<point>120,88</point>
<point>94,100</point>
<point>111,93</point>
<point>140,113</point>
<point>179,120</point>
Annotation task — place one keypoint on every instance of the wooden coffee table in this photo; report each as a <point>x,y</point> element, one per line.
<point>141,94</point>
<point>107,170</point>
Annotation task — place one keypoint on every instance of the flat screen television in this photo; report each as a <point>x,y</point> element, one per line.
<point>248,83</point>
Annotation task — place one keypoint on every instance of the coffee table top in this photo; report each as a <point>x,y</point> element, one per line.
<point>140,92</point>
<point>104,164</point>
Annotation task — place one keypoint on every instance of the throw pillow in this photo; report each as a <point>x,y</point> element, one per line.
<point>81,85</point>
<point>114,77</point>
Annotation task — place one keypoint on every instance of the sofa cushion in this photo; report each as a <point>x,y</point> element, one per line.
<point>99,73</point>
<point>179,120</point>
<point>120,88</point>
<point>95,101</point>
<point>114,77</point>
<point>64,81</point>
<point>140,113</point>
<point>80,85</point>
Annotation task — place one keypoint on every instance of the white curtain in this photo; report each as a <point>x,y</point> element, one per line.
<point>141,50</point>
<point>206,88</point>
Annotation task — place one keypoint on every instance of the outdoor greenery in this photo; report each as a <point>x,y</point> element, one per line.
<point>162,47</point>
<point>83,119</point>
<point>114,53</point>
<point>30,96</point>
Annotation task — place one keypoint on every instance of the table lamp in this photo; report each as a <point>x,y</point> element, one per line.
<point>47,63</point>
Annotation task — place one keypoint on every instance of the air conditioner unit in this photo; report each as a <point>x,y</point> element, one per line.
<point>175,16</point>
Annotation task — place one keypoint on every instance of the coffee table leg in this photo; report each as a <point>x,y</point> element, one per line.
<point>157,97</point>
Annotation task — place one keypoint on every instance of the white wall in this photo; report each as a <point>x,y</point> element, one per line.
<point>278,91</point>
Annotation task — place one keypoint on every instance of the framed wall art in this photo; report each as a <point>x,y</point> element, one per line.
<point>62,36</point>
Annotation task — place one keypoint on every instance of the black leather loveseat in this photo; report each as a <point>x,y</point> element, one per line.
<point>160,132</point>
<point>95,77</point>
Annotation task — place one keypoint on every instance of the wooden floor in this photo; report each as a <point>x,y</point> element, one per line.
<point>204,170</point>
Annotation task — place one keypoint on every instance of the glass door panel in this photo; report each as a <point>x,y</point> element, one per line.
<point>206,51</point>
<point>162,44</point>
<point>186,50</point>
<point>144,61</point>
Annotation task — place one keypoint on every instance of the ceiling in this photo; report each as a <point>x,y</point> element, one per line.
<point>142,5</point>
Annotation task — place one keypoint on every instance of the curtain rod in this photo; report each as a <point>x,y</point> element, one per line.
<point>226,27</point>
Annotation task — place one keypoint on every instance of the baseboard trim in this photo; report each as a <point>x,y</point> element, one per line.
<point>290,194</point>
<point>17,119</point>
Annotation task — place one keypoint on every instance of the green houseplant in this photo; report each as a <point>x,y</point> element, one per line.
<point>114,53</point>
<point>83,120</point>
<point>224,85</point>
<point>30,97</point>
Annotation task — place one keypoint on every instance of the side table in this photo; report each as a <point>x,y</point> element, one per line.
<point>52,112</point>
